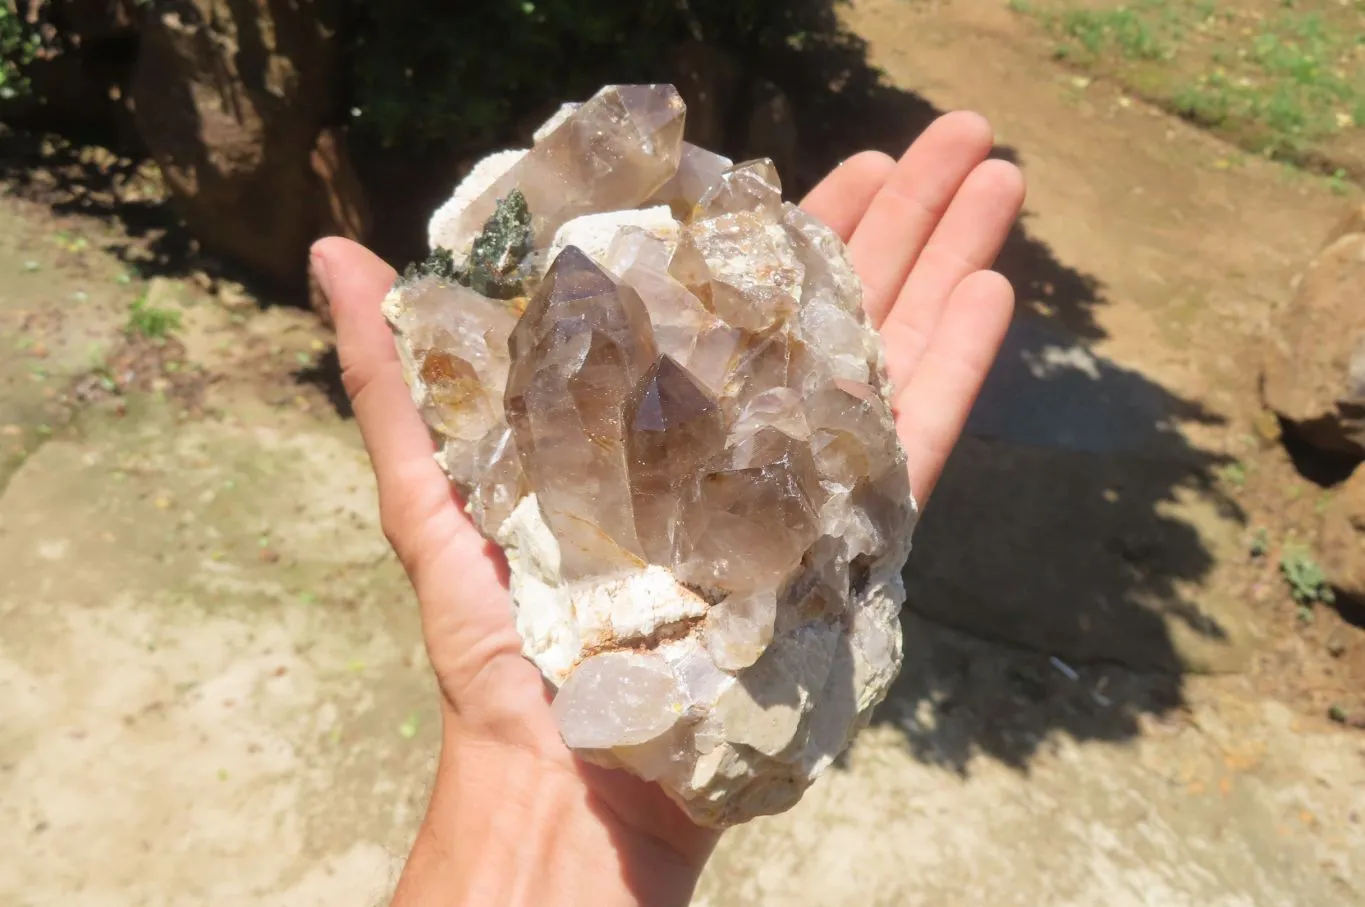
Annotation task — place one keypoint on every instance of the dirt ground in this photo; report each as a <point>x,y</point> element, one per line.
<point>214,689</point>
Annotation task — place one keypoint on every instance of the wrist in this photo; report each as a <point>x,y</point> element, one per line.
<point>510,826</point>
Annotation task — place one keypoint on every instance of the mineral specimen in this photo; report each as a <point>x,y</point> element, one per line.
<point>654,385</point>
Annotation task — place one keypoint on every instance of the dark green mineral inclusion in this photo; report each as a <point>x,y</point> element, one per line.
<point>494,262</point>
<point>506,239</point>
<point>439,264</point>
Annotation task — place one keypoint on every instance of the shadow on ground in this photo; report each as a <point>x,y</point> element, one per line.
<point>1055,584</point>
<point>98,175</point>
<point>80,176</point>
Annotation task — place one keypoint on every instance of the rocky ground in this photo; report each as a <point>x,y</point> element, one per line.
<point>214,687</point>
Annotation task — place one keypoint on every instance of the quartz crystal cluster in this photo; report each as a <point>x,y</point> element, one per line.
<point>654,385</point>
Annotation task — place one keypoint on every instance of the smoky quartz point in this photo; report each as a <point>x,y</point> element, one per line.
<point>652,382</point>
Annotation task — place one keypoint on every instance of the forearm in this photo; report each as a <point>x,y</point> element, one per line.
<point>504,829</point>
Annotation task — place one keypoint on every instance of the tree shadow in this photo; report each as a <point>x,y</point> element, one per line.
<point>77,175</point>
<point>959,697</point>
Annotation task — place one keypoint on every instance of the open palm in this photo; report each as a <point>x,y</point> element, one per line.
<point>921,231</point>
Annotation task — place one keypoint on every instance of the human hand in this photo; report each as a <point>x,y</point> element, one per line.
<point>514,817</point>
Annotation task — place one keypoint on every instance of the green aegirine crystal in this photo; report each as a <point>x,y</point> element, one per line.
<point>494,266</point>
<point>439,264</point>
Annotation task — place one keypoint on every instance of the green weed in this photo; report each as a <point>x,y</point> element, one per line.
<point>408,729</point>
<point>1206,102</point>
<point>69,242</point>
<point>1234,474</point>
<point>150,321</point>
<point>1307,581</point>
<point>1281,83</point>
<point>1129,31</point>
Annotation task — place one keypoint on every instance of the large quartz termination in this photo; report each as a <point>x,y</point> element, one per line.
<point>654,385</point>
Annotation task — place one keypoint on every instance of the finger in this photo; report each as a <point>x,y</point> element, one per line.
<point>906,210</point>
<point>933,406</point>
<point>842,198</point>
<point>414,494</point>
<point>967,239</point>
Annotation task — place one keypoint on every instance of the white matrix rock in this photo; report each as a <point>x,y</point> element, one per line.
<point>654,384</point>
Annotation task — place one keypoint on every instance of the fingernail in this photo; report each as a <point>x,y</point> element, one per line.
<point>317,263</point>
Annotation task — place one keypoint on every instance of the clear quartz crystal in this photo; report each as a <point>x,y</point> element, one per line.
<point>614,152</point>
<point>453,348</point>
<point>676,426</point>
<point>578,351</point>
<point>777,407</point>
<point>749,272</point>
<point>500,482</point>
<point>683,328</point>
<point>619,699</point>
<point>751,187</point>
<point>456,343</point>
<point>673,426</point>
<point>698,170</point>
<point>635,247</point>
<point>739,628</point>
<point>747,517</point>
